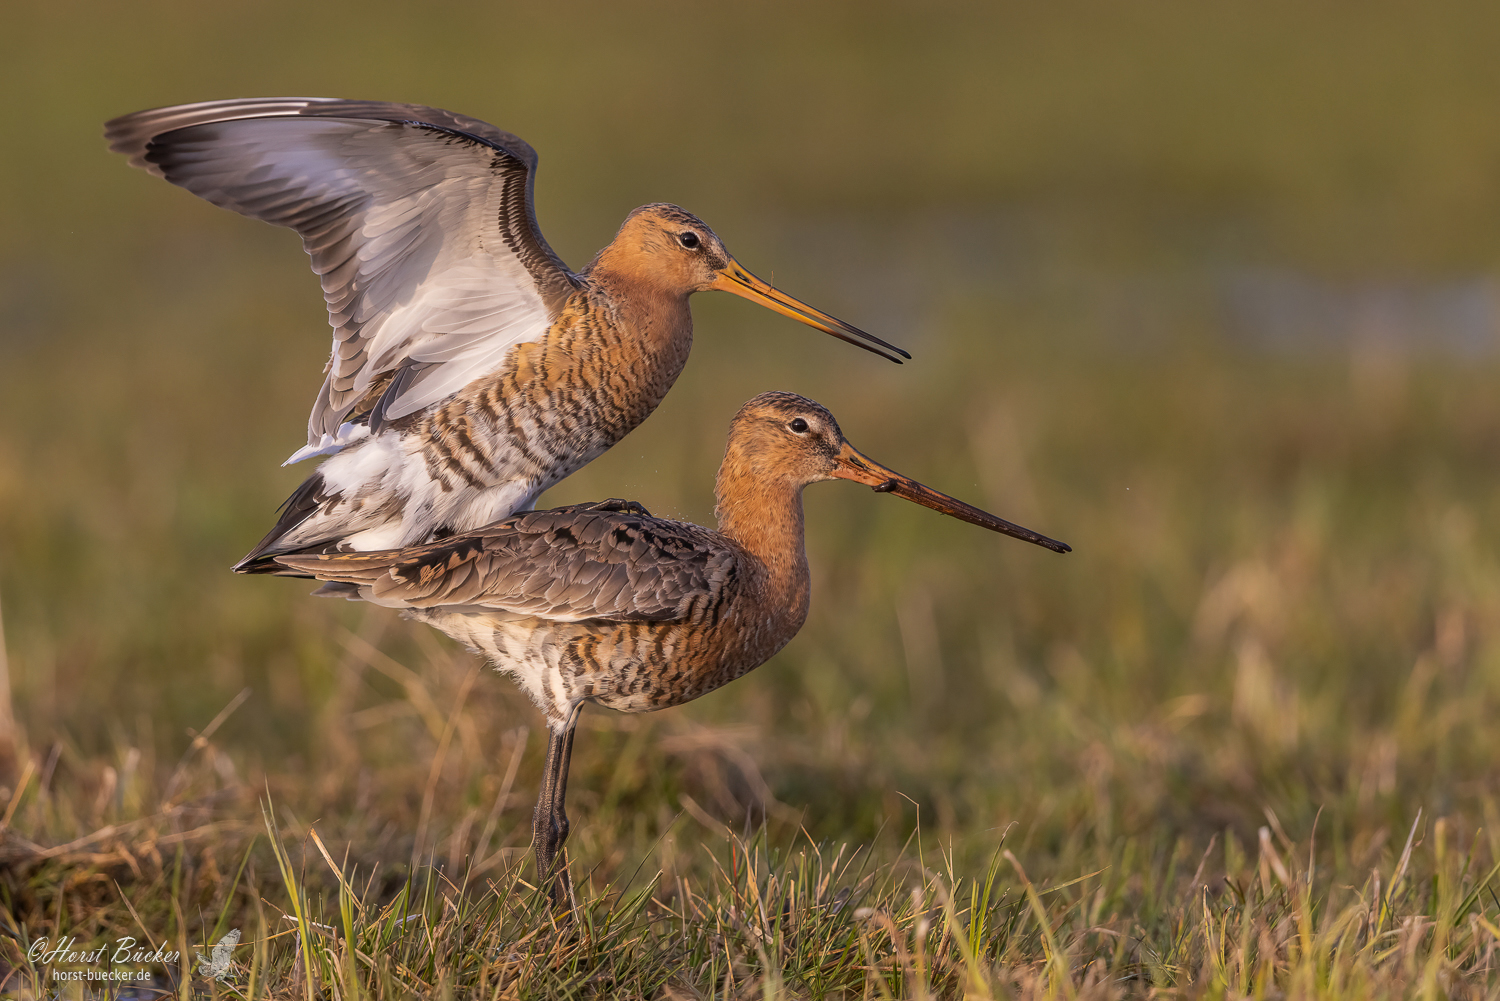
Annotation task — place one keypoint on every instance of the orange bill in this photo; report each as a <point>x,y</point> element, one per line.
<point>853,465</point>
<point>733,278</point>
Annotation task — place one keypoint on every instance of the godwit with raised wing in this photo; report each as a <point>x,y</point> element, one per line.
<point>471,370</point>
<point>603,603</point>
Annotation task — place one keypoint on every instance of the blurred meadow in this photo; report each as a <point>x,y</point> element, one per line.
<point>1209,291</point>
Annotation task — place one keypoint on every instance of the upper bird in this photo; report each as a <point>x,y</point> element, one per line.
<point>471,369</point>
<point>603,603</point>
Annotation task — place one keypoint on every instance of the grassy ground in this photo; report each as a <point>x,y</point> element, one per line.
<point>1239,743</point>
<point>1241,740</point>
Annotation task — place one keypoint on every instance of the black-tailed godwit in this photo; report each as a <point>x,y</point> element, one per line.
<point>471,369</point>
<point>603,603</point>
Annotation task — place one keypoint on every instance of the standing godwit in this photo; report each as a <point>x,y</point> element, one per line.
<point>471,370</point>
<point>603,603</point>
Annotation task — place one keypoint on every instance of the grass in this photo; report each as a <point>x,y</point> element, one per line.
<point>752,917</point>
<point>1240,743</point>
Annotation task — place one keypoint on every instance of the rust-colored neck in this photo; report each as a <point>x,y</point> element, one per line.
<point>641,300</point>
<point>762,511</point>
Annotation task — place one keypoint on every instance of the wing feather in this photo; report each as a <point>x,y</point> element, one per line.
<point>567,564</point>
<point>419,223</point>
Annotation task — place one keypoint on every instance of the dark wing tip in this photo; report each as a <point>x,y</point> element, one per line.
<point>130,135</point>
<point>263,565</point>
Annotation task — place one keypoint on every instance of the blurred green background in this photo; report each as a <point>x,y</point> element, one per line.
<point>1207,290</point>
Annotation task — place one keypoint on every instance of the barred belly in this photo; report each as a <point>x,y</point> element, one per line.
<point>491,450</point>
<point>629,667</point>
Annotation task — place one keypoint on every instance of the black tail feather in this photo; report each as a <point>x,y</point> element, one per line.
<point>298,507</point>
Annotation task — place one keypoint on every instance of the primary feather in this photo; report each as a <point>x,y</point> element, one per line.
<point>418,222</point>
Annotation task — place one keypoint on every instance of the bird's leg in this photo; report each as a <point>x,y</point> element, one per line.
<point>549,824</point>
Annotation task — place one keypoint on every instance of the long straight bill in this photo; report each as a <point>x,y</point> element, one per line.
<point>734,278</point>
<point>854,465</point>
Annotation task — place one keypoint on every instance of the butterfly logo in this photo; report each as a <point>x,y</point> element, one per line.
<point>217,966</point>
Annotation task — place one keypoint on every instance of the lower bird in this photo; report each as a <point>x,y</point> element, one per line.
<point>603,603</point>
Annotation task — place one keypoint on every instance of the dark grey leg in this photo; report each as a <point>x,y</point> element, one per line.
<point>549,824</point>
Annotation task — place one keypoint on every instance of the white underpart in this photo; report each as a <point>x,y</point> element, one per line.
<point>525,650</point>
<point>390,466</point>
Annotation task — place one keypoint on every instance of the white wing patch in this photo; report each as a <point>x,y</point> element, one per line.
<point>463,324</point>
<point>402,224</point>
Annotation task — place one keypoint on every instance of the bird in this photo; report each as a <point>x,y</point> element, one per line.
<point>602,603</point>
<point>470,368</point>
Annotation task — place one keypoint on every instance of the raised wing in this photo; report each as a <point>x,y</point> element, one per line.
<point>419,223</point>
<point>599,561</point>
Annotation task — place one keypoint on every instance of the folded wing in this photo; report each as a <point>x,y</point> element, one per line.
<point>567,564</point>
<point>419,224</point>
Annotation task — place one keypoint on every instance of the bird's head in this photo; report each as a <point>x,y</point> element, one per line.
<point>673,247</point>
<point>789,438</point>
<point>675,251</point>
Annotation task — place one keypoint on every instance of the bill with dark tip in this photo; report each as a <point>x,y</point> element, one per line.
<point>855,465</point>
<point>735,278</point>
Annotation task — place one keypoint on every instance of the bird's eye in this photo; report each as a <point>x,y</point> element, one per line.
<point>689,240</point>
<point>798,426</point>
